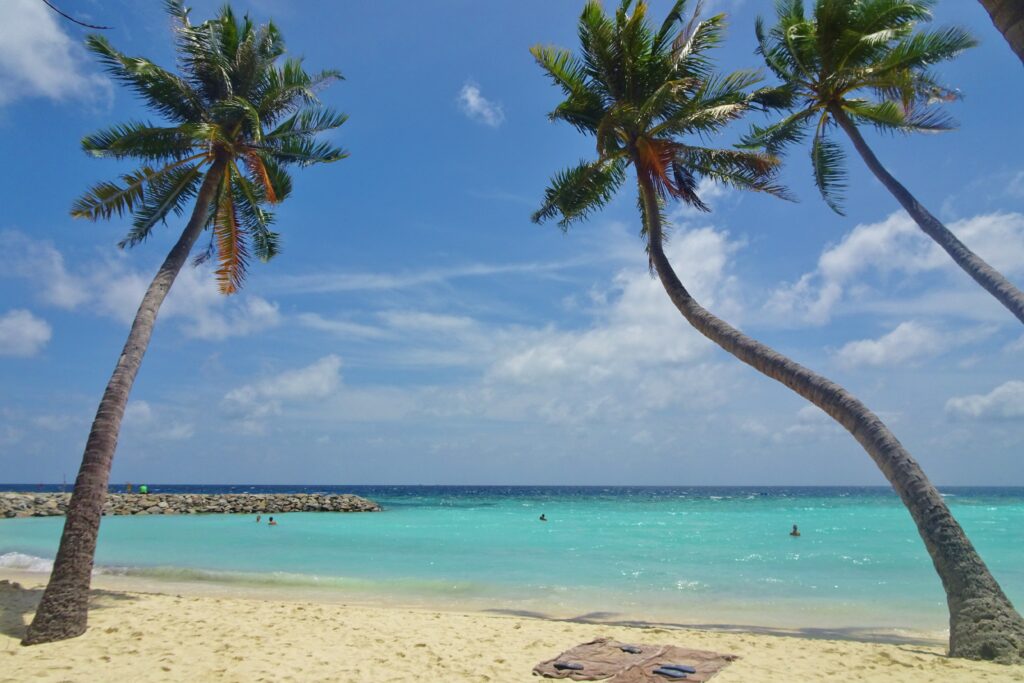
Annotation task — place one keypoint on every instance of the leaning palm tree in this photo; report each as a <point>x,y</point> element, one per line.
<point>649,97</point>
<point>238,118</point>
<point>1008,16</point>
<point>857,62</point>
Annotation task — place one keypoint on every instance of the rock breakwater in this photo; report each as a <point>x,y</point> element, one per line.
<point>51,504</point>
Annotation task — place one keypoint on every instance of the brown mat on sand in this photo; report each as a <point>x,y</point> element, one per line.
<point>603,659</point>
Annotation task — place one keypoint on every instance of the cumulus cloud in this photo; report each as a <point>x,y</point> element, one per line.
<point>640,327</point>
<point>1005,402</point>
<point>909,341</point>
<point>811,424</point>
<point>22,334</point>
<point>479,108</point>
<point>895,246</point>
<point>37,59</point>
<point>112,288</point>
<point>253,403</point>
<point>141,416</point>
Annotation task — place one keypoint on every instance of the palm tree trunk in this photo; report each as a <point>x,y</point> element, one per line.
<point>63,611</point>
<point>1008,16</point>
<point>975,266</point>
<point>983,623</point>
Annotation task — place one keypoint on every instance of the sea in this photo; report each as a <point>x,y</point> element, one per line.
<point>709,556</point>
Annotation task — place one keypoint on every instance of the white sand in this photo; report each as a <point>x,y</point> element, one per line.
<point>199,636</point>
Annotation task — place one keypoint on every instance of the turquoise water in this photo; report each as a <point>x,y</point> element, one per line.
<point>697,555</point>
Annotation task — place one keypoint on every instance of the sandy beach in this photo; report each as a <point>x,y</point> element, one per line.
<point>179,632</point>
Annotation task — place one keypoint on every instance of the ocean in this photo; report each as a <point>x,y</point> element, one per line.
<point>673,555</point>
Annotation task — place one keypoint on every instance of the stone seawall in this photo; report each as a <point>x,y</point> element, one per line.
<point>50,504</point>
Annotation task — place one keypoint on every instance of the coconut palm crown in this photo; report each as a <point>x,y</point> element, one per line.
<point>865,59</point>
<point>235,107</point>
<point>639,92</point>
<point>856,62</point>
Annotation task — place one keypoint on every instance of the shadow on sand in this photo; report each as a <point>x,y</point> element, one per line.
<point>18,604</point>
<point>861,634</point>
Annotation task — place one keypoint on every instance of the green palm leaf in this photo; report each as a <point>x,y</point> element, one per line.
<point>578,191</point>
<point>165,193</point>
<point>863,62</point>
<point>827,159</point>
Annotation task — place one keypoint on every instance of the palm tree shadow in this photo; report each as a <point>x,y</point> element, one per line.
<point>18,604</point>
<point>864,635</point>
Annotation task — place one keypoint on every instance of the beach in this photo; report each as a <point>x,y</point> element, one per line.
<point>197,633</point>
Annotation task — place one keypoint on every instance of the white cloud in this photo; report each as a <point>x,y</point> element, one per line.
<point>341,328</point>
<point>325,283</point>
<point>37,59</point>
<point>1015,188</point>
<point>22,334</point>
<point>896,246</point>
<point>111,287</point>
<point>909,341</point>
<point>812,424</point>
<point>251,403</point>
<point>138,412</point>
<point>640,327</point>
<point>141,417</point>
<point>1004,402</point>
<point>479,108</point>
<point>55,423</point>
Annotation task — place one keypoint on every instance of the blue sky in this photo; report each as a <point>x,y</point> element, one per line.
<point>417,328</point>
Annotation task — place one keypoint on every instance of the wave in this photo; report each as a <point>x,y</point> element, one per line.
<point>411,586</point>
<point>26,563</point>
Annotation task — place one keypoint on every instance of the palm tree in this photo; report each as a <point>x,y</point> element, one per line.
<point>238,118</point>
<point>1008,16</point>
<point>862,62</point>
<point>640,92</point>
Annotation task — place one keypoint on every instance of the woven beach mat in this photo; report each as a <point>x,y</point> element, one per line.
<point>609,660</point>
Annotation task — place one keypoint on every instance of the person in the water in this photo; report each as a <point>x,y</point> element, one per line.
<point>543,517</point>
<point>795,531</point>
<point>271,522</point>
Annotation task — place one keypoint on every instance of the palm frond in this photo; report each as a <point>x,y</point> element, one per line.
<point>232,253</point>
<point>168,94</point>
<point>740,169</point>
<point>143,141</point>
<point>578,191</point>
<point>828,162</point>
<point>253,219</point>
<point>674,17</point>
<point>309,122</point>
<point>301,151</point>
<point>164,194</point>
<point>776,137</point>
<point>106,199</point>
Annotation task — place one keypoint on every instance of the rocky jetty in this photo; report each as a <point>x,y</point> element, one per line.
<point>50,504</point>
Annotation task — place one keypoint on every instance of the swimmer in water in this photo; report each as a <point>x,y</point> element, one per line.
<point>271,522</point>
<point>543,517</point>
<point>795,531</point>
